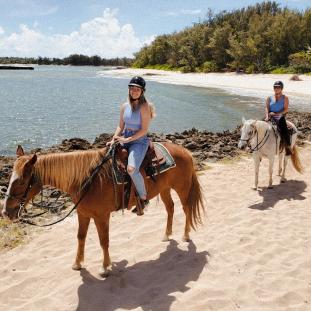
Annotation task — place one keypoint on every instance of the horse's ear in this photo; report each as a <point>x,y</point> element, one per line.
<point>243,120</point>
<point>33,160</point>
<point>20,151</point>
<point>29,165</point>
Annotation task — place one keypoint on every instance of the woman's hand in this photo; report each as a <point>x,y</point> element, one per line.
<point>271,114</point>
<point>111,142</point>
<point>122,139</point>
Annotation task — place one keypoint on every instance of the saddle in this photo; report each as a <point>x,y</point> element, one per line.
<point>157,160</point>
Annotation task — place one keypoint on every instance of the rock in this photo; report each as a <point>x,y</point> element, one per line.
<point>295,78</point>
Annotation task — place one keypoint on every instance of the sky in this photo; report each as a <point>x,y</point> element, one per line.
<point>108,28</point>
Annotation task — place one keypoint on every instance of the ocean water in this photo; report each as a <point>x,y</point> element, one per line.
<point>40,108</point>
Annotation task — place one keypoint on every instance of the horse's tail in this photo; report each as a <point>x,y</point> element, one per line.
<point>296,160</point>
<point>195,201</point>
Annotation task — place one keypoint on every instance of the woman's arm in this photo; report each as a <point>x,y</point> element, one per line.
<point>267,109</point>
<point>119,128</point>
<point>286,103</point>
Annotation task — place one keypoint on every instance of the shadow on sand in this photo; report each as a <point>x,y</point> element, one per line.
<point>290,190</point>
<point>146,284</point>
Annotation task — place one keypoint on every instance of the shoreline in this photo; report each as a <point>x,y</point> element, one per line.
<point>233,82</point>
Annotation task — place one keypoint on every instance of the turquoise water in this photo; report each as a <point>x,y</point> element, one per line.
<point>42,107</point>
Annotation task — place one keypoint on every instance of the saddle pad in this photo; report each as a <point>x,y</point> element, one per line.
<point>169,163</point>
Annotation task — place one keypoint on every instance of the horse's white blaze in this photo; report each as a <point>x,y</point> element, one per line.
<point>12,179</point>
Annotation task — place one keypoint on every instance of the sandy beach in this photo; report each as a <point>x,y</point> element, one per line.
<point>252,253</point>
<point>252,84</point>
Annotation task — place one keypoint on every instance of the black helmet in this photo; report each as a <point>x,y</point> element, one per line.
<point>278,84</point>
<point>138,81</point>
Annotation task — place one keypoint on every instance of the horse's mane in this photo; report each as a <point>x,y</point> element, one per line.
<point>71,169</point>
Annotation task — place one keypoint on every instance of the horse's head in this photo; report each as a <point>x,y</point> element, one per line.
<point>247,133</point>
<point>23,184</point>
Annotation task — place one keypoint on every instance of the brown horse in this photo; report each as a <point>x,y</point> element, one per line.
<point>68,171</point>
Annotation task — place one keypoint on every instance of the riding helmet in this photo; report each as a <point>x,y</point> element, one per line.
<point>279,84</point>
<point>138,81</point>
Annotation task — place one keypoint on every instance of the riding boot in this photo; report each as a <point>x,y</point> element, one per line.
<point>285,135</point>
<point>288,150</point>
<point>143,204</point>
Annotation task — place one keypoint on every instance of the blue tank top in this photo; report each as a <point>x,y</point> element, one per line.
<point>276,106</point>
<point>132,119</point>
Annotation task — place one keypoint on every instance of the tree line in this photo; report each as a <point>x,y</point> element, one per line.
<point>74,60</point>
<point>259,38</point>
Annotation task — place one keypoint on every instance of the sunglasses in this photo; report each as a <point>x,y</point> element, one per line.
<point>277,87</point>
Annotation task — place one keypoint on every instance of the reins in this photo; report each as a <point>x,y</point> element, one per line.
<point>84,189</point>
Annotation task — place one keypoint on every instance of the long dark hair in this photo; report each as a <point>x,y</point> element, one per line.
<point>142,100</point>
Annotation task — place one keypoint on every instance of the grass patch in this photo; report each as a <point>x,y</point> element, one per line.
<point>11,234</point>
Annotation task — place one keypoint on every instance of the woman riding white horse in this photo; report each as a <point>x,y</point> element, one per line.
<point>264,141</point>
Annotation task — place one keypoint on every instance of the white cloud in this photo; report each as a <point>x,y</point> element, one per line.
<point>191,12</point>
<point>1,31</point>
<point>183,12</point>
<point>102,35</point>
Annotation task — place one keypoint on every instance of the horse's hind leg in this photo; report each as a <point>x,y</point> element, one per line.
<point>283,179</point>
<point>169,205</point>
<point>183,195</point>
<point>102,225</point>
<point>82,231</point>
<point>281,154</point>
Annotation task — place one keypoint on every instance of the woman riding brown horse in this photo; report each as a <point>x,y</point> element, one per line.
<point>68,171</point>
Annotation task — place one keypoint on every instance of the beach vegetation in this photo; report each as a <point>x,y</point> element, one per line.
<point>257,38</point>
<point>11,234</point>
<point>282,70</point>
<point>73,60</point>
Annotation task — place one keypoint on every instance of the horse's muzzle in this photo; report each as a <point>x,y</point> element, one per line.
<point>242,145</point>
<point>11,214</point>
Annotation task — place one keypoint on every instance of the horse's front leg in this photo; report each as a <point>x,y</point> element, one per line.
<point>82,231</point>
<point>271,162</point>
<point>257,163</point>
<point>102,225</point>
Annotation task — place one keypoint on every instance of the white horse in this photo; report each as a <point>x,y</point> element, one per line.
<point>264,141</point>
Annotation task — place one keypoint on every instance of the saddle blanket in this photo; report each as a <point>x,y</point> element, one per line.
<point>169,163</point>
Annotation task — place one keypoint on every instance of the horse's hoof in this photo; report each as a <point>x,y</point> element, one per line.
<point>283,180</point>
<point>186,238</point>
<point>76,266</point>
<point>104,272</point>
<point>270,187</point>
<point>165,238</point>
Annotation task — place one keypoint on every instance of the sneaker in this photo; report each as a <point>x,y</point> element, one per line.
<point>145,203</point>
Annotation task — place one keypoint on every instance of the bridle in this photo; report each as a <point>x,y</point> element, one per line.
<point>21,197</point>
<point>260,144</point>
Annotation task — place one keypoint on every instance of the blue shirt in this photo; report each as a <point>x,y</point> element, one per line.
<point>276,106</point>
<point>132,119</point>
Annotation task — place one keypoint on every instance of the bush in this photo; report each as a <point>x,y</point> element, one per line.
<point>209,66</point>
<point>300,61</point>
<point>282,70</point>
<point>251,69</point>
